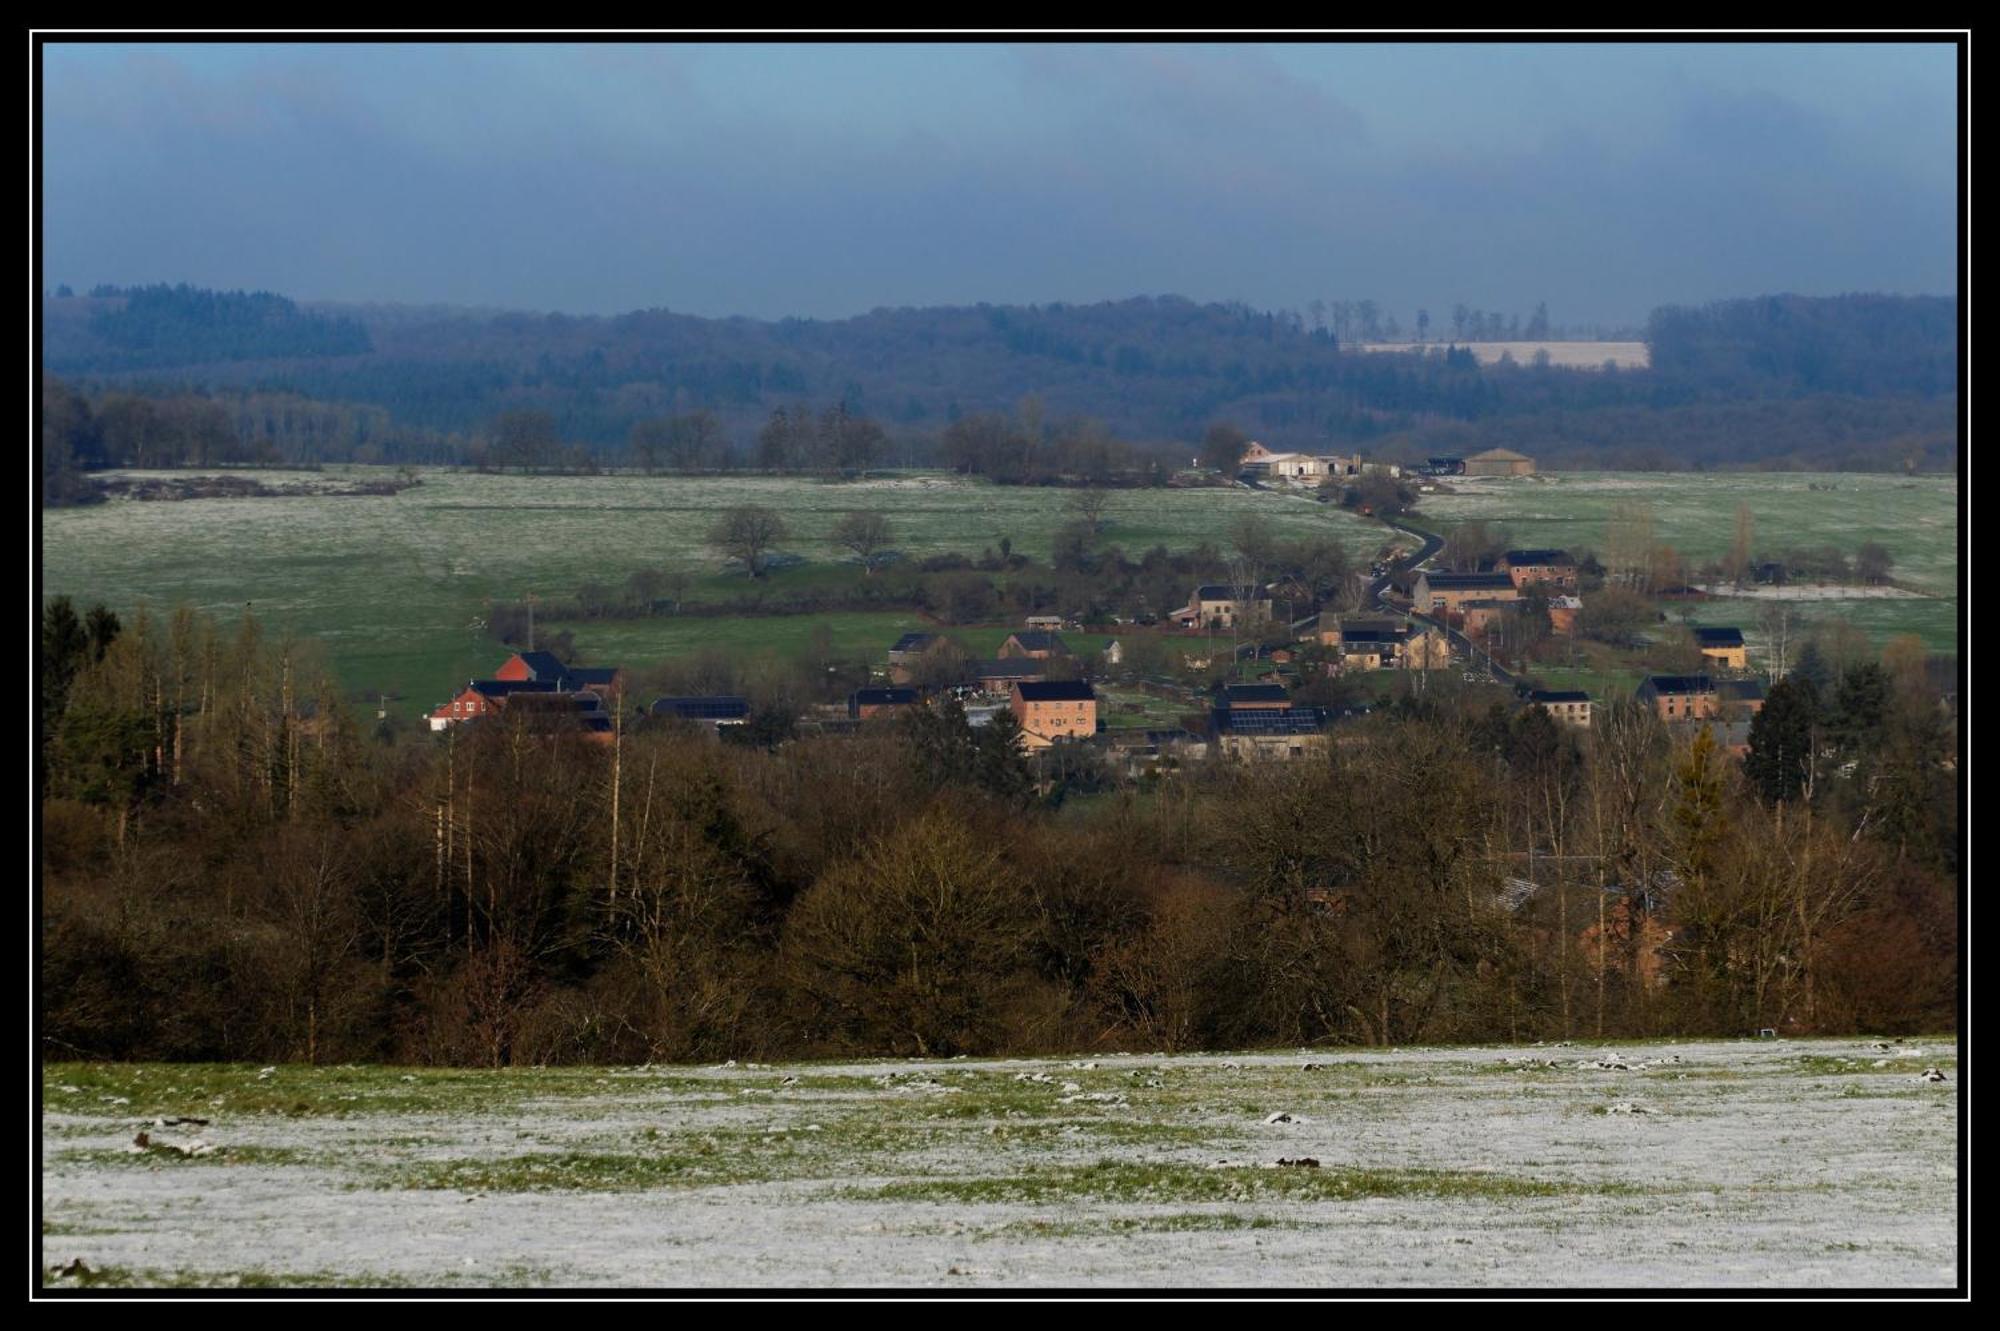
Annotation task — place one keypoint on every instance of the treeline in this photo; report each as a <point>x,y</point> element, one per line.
<point>234,867</point>
<point>154,327</point>
<point>1153,371</point>
<point>82,433</point>
<point>1857,346</point>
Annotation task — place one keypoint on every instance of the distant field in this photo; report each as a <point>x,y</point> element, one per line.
<point>394,583</point>
<point>1827,1163</point>
<point>1566,355</point>
<point>1914,518</point>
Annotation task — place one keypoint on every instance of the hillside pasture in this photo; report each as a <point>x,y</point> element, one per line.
<point>1914,517</point>
<point>396,585</point>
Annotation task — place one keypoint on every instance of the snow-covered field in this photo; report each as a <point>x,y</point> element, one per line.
<point>1825,1163</point>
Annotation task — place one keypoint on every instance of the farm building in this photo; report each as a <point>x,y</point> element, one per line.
<point>1499,462</point>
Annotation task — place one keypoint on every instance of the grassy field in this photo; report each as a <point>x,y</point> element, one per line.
<point>393,584</point>
<point>1751,1164</point>
<point>1914,518</point>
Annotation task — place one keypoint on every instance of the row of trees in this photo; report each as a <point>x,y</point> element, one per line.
<point>232,873</point>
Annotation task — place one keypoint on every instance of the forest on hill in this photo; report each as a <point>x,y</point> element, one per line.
<point>1850,382</point>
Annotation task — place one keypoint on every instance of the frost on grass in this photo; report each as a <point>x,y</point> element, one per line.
<point>1744,1163</point>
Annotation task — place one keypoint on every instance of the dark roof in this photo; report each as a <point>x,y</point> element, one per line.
<point>1039,640</point>
<point>1678,684</point>
<point>543,665</point>
<point>1723,637</point>
<point>1009,667</point>
<point>1235,693</point>
<point>1538,557</point>
<point>714,707</point>
<point>1216,591</point>
<point>1740,690</point>
<point>1056,690</point>
<point>1558,695</point>
<point>881,697</point>
<point>1297,721</point>
<point>914,642</point>
<point>1467,581</point>
<point>501,688</point>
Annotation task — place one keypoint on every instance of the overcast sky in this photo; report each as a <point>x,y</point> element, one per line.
<point>825,180</point>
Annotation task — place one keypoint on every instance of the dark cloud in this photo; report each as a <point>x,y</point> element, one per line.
<point>825,181</point>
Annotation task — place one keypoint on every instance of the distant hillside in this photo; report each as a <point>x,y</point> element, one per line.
<point>1149,369</point>
<point>162,327</point>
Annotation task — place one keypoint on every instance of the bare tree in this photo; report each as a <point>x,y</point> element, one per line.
<point>747,534</point>
<point>1090,505</point>
<point>864,533</point>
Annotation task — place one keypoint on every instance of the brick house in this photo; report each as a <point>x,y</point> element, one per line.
<point>1739,698</point>
<point>605,681</point>
<point>1680,697</point>
<point>1002,674</point>
<point>1553,568</point>
<point>1035,644</point>
<point>1052,711</point>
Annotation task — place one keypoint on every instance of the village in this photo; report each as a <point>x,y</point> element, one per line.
<point>1266,653</point>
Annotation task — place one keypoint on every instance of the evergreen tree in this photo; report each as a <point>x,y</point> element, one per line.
<point>1782,736</point>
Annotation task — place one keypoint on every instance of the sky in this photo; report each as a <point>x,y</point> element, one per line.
<point>825,180</point>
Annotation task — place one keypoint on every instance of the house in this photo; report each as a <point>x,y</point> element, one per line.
<point>1679,697</point>
<point>910,646</point>
<point>1444,466</point>
<point>712,711</point>
<point>1740,697</point>
<point>1733,738</point>
<point>1056,710</point>
<point>1570,707</point>
<point>1143,751</point>
<point>870,704</point>
<point>1563,611</point>
<point>1050,622</point>
<point>1220,606</point>
<point>1443,593</point>
<point>1724,646</point>
<point>1499,462</point>
<point>1482,616</point>
<point>545,711</point>
<point>484,697</point>
<point>1114,652</point>
<point>1380,644</point>
<point>1263,733</point>
<point>606,681</point>
<point>999,676</point>
<point>1233,698</point>
<point>1035,644</point>
<point>1552,568</point>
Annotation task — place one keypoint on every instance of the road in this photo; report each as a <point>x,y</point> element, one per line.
<point>1432,544</point>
